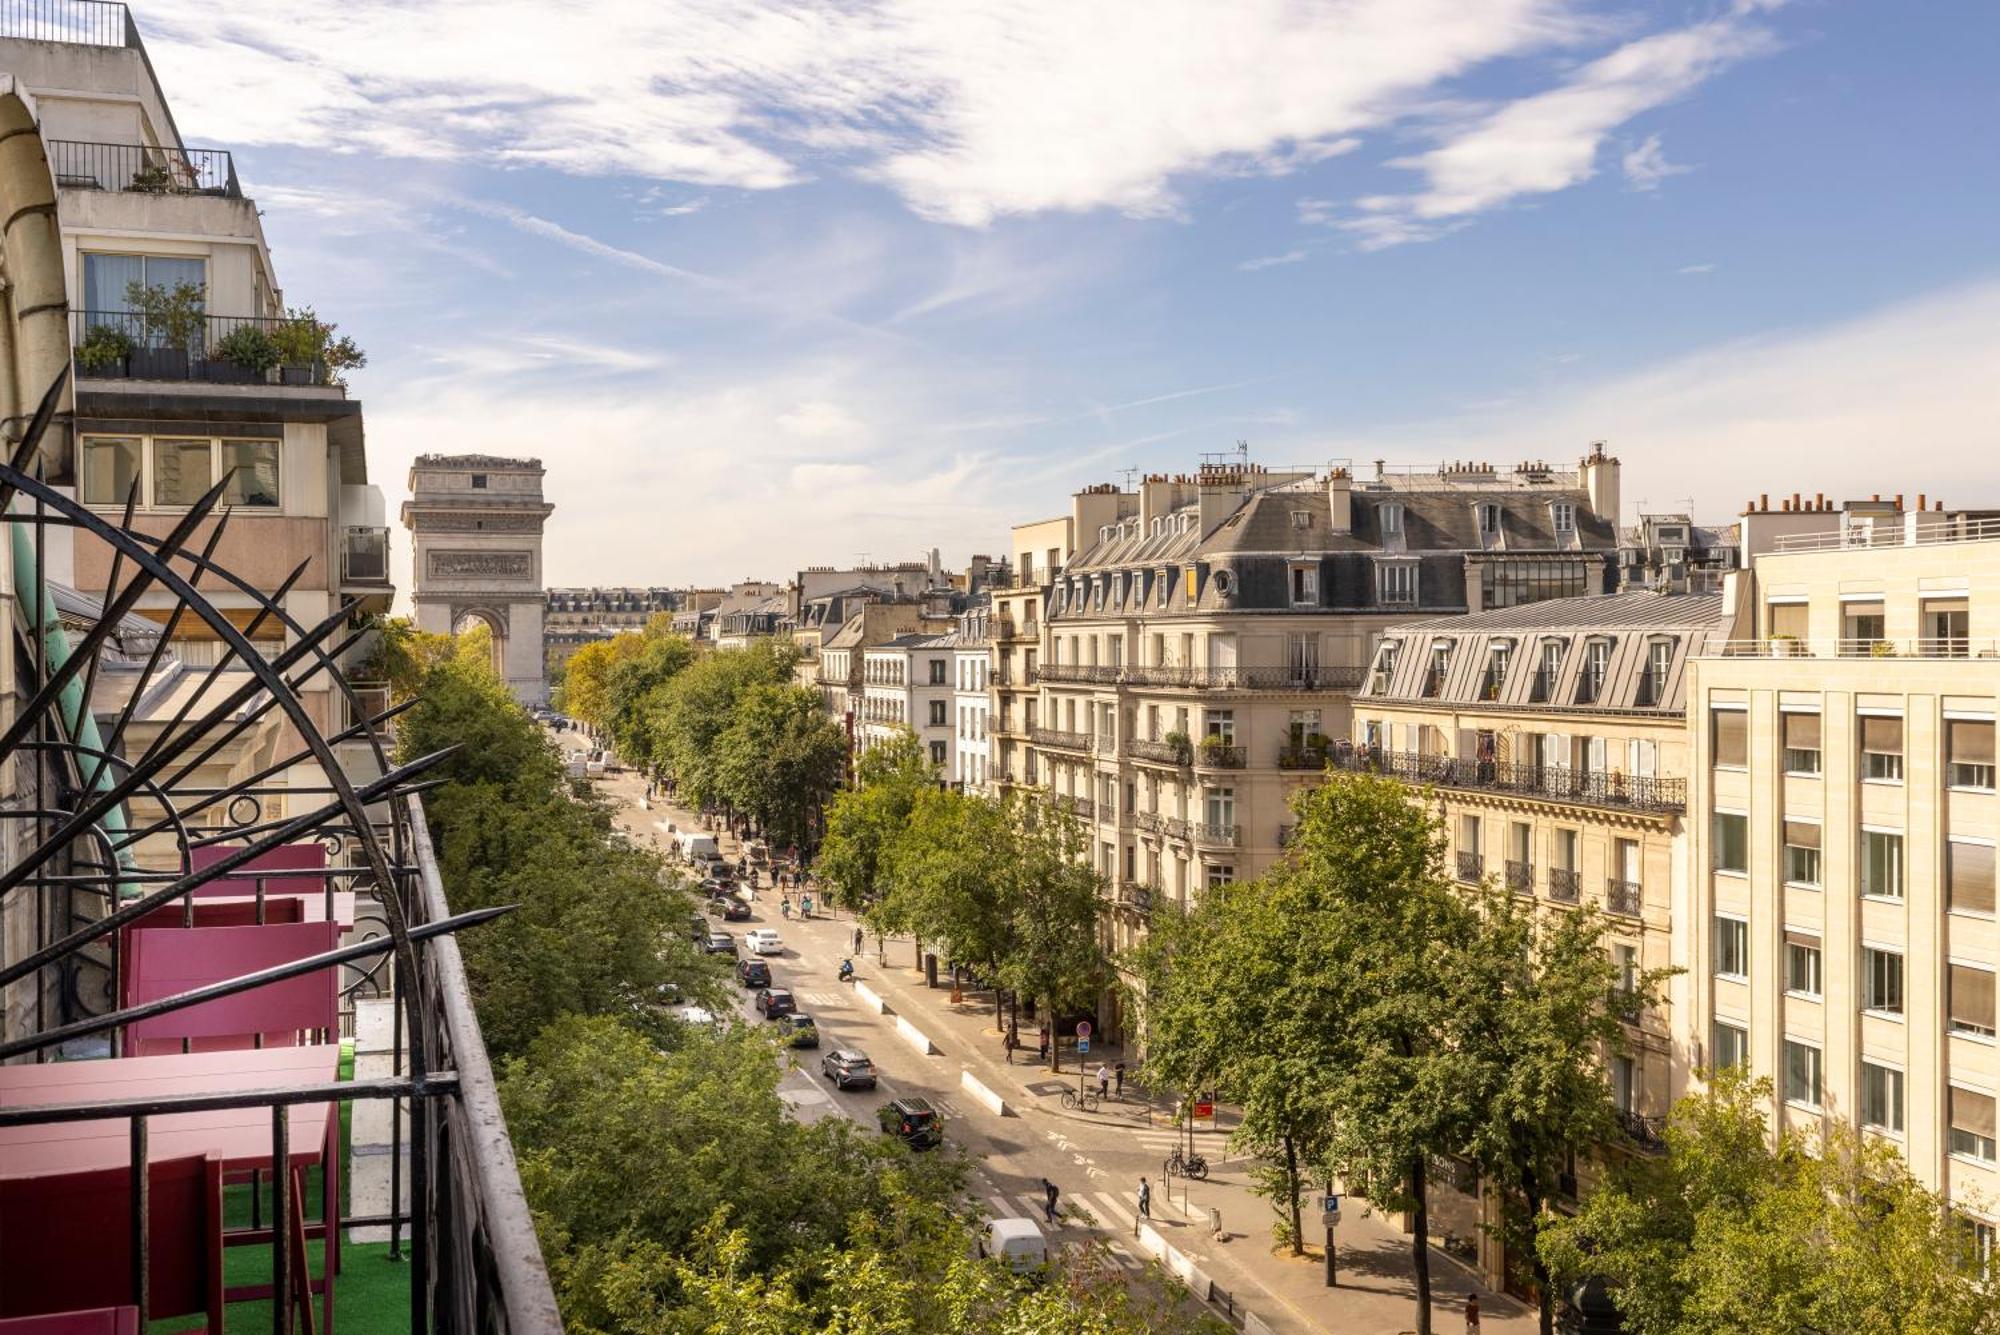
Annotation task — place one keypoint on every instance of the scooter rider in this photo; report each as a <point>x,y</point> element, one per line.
<point>846,970</point>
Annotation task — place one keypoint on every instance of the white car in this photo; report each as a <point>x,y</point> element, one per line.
<point>595,765</point>
<point>764,941</point>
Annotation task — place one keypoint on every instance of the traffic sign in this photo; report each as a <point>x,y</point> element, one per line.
<point>1329,1209</point>
<point>1083,1029</point>
<point>1082,1046</point>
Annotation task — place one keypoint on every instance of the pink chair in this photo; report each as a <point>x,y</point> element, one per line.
<point>285,857</point>
<point>69,1243</point>
<point>164,963</point>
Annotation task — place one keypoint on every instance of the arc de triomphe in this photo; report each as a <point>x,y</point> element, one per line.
<point>475,524</point>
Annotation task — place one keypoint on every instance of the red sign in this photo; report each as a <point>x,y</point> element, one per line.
<point>1083,1029</point>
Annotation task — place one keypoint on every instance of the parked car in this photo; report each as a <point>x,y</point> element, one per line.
<point>801,1031</point>
<point>719,943</point>
<point>593,765</point>
<point>776,1001</point>
<point>764,941</point>
<point>918,1124</point>
<point>729,908</point>
<point>753,973</point>
<point>845,1068</point>
<point>698,929</point>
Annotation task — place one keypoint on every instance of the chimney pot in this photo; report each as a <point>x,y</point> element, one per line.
<point>1763,500</point>
<point>1899,500</point>
<point>1923,501</point>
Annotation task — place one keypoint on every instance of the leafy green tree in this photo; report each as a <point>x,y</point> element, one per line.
<point>1735,1230</point>
<point>1540,1008</point>
<point>632,693</point>
<point>780,759</point>
<point>1055,951</point>
<point>699,704</point>
<point>948,876</point>
<point>862,821</point>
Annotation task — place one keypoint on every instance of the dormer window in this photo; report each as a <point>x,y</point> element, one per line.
<point>1166,584</point>
<point>1562,517</point>
<point>1390,514</point>
<point>1499,655</point>
<point>1659,662</point>
<point>1302,519</point>
<point>1547,671</point>
<point>1305,586</point>
<point>1489,519</point>
<point>1440,667</point>
<point>1385,668</point>
<point>1104,533</point>
<point>1596,666</point>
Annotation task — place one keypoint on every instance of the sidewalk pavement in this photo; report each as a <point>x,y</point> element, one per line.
<point>1376,1290</point>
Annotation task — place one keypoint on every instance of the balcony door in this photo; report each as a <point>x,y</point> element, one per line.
<point>108,281</point>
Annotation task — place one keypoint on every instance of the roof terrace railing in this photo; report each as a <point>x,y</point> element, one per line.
<point>1786,646</point>
<point>1901,530</point>
<point>82,22</point>
<point>144,169</point>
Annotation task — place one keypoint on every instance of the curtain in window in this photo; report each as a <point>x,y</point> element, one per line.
<point>105,278</point>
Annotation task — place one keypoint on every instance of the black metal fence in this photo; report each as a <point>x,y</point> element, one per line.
<point>146,169</point>
<point>83,22</point>
<point>224,349</point>
<point>1556,782</point>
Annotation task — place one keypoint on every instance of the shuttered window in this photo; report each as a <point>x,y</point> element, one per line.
<point>1972,1124</point>
<point>1801,743</point>
<point>1970,869</point>
<point>1801,853</point>
<point>1731,733</point>
<point>1969,744</point>
<point>1786,619</point>
<point>1971,1000</point>
<point>1881,748</point>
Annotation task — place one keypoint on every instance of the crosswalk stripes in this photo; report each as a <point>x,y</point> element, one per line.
<point>1117,1210</point>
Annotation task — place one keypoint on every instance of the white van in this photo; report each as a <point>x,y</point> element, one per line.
<point>1018,1243</point>
<point>696,847</point>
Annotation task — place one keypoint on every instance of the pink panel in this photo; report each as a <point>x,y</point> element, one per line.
<point>165,963</point>
<point>285,857</point>
<point>97,1321</point>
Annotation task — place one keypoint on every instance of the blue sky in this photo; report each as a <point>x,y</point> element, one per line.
<point>776,283</point>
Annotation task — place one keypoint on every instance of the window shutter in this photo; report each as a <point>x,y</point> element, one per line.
<point>1971,741</point>
<point>1972,1112</point>
<point>1970,867</point>
<point>1802,732</point>
<point>1800,834</point>
<point>1882,735</point>
<point>1972,998</point>
<point>1788,619</point>
<point>1732,737</point>
<point>1804,939</point>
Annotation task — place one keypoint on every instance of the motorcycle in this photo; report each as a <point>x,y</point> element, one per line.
<point>847,971</point>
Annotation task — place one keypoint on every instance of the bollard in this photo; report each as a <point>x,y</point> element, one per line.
<point>930,970</point>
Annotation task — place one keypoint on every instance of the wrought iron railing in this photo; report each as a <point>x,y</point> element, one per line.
<point>1082,807</point>
<point>1302,757</point>
<point>1247,678</point>
<point>1647,1133</point>
<point>1138,898</point>
<point>1624,898</point>
<point>1565,885</point>
<point>1218,836</point>
<point>1471,867</point>
<point>81,22</point>
<point>1160,753</point>
<point>1069,674</point>
<point>1212,754</point>
<point>1056,739</point>
<point>1554,782</point>
<point>145,169</point>
<point>128,345</point>
<point>1521,877</point>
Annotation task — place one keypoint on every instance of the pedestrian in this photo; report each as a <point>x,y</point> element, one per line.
<point>1472,1314</point>
<point>1042,1047</point>
<point>1008,1044</point>
<point>1049,1194</point>
<point>857,940</point>
<point>1103,1080</point>
<point>1145,1200</point>
<point>1118,1079</point>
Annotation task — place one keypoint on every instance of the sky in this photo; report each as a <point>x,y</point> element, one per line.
<point>770,283</point>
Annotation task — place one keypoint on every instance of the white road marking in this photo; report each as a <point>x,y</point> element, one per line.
<point>1113,1205</point>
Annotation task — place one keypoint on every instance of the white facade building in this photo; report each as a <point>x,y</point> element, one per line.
<point>972,676</point>
<point>907,683</point>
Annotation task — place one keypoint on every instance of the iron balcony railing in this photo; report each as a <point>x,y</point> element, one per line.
<point>1471,867</point>
<point>1565,885</point>
<point>1302,757</point>
<point>126,345</point>
<point>1924,647</point>
<point>1647,1133</point>
<point>1072,674</point>
<point>1521,877</point>
<point>80,22</point>
<point>1551,782</point>
<point>1218,836</point>
<point>143,169</point>
<point>1211,754</point>
<point>1624,898</point>
<point>364,556</point>
<point>1083,807</point>
<point>1138,898</point>
<point>1055,739</point>
<point>1247,678</point>
<point>1160,753</point>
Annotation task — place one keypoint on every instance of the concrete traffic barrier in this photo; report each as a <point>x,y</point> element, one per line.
<point>915,1037</point>
<point>869,1001</point>
<point>1155,1245</point>
<point>985,1097</point>
<point>1199,1284</point>
<point>1256,1325</point>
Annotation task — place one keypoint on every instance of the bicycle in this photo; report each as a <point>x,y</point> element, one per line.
<point>1072,1100</point>
<point>1189,1164</point>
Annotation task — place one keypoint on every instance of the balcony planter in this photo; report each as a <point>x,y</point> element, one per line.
<point>244,356</point>
<point>159,364</point>
<point>222,372</point>
<point>1182,746</point>
<point>311,374</point>
<point>105,351</point>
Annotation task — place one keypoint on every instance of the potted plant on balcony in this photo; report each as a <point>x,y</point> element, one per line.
<point>106,350</point>
<point>172,321</point>
<point>152,179</point>
<point>244,356</point>
<point>1181,745</point>
<point>308,352</point>
<point>1215,750</point>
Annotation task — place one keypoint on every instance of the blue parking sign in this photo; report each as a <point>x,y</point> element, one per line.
<point>1082,1046</point>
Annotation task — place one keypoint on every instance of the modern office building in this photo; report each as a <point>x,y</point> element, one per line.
<point>1841,931</point>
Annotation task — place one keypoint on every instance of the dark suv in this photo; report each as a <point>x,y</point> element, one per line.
<point>753,973</point>
<point>920,1125</point>
<point>775,1001</point>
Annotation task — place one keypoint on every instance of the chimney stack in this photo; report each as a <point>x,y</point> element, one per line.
<point>1340,501</point>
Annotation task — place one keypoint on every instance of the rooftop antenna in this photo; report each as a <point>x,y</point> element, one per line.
<point>1131,476</point>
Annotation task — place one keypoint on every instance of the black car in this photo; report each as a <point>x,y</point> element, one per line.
<point>919,1124</point>
<point>729,908</point>
<point>719,943</point>
<point>848,1069</point>
<point>753,973</point>
<point>775,1001</point>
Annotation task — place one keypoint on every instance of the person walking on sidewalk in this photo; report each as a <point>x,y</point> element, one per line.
<point>1042,1047</point>
<point>1103,1080</point>
<point>1118,1079</point>
<point>1049,1194</point>
<point>857,940</point>
<point>1008,1043</point>
<point>1472,1314</point>
<point>1145,1200</point>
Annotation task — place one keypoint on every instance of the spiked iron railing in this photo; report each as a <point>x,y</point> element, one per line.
<point>90,801</point>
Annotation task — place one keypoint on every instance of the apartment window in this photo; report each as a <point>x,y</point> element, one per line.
<point>252,469</point>
<point>1221,876</point>
<point>1969,876</point>
<point>1221,725</point>
<point>1596,663</point>
<point>1881,864</point>
<point>1562,515</point>
<point>1785,621</point>
<point>1862,628</point>
<point>1881,980</point>
<point>937,713</point>
<point>1499,654</point>
<point>1547,670</point>
<point>1802,1073</point>
<point>1305,586</point>
<point>1220,807</point>
<point>1980,1241</point>
<point>1519,580</point>
<point>1391,516</point>
<point>1969,744</point>
<point>1732,1046</point>
<point>937,753</point>
<point>1881,1098</point>
<point>1622,1083</point>
<point>1946,621</point>
<point>1659,662</point>
<point>1565,850</point>
<point>1489,519</point>
<point>1731,837</point>
<point>1732,947</point>
<point>1385,667</point>
<point>1802,964</point>
<point>1971,1000</point>
<point>1471,862</point>
<point>1882,748</point>
<point>1440,665</point>
<point>110,465</point>
<point>1801,853</point>
<point>108,278</point>
<point>1801,743</point>
<point>1972,1124</point>
<point>183,470</point>
<point>1396,583</point>
<point>1729,738</point>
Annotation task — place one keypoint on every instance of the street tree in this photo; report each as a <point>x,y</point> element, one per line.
<point>1541,1009</point>
<point>861,821</point>
<point>1055,951</point>
<point>584,691</point>
<point>780,759</point>
<point>699,703</point>
<point>948,876</point>
<point>633,688</point>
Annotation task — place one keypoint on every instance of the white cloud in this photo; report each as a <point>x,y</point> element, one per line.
<point>1646,165</point>
<point>1899,399</point>
<point>1272,261</point>
<point>971,112</point>
<point>1550,141</point>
